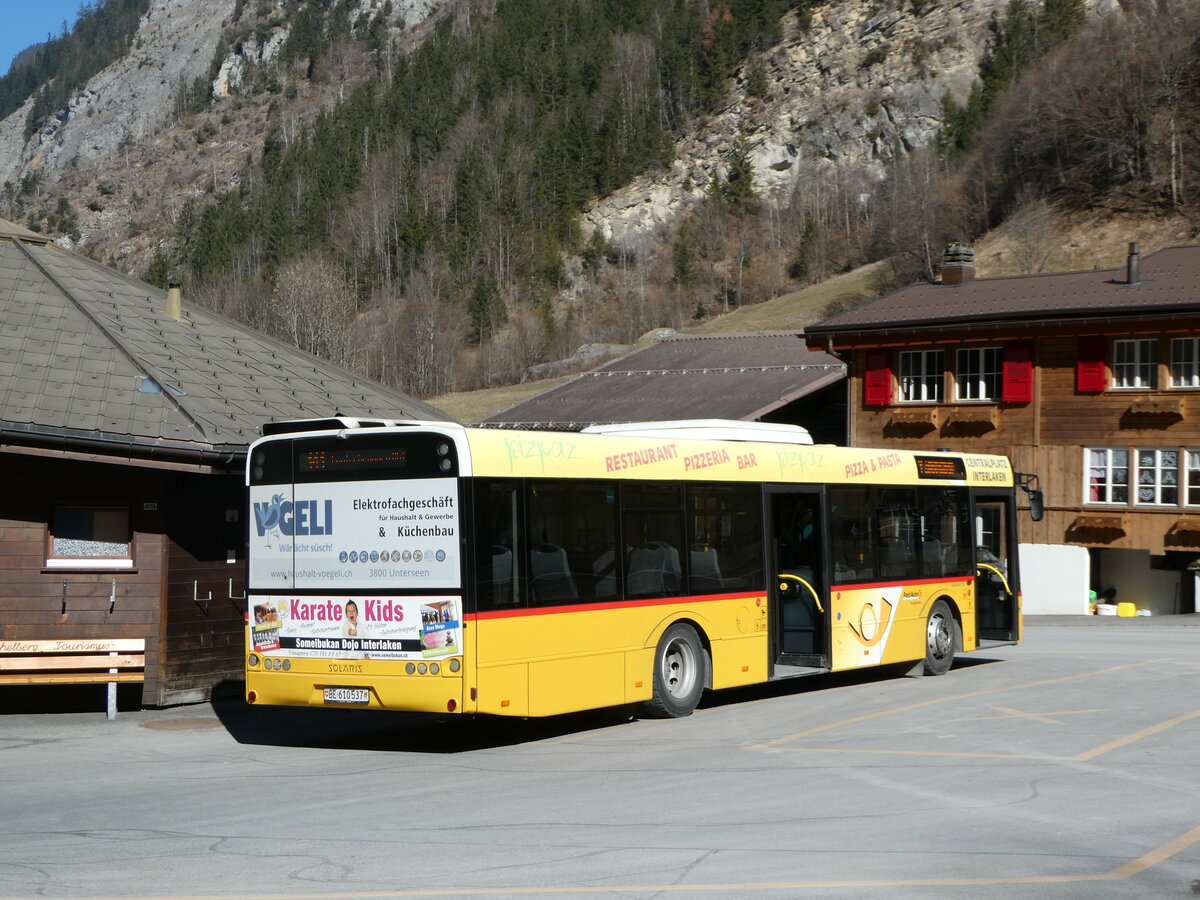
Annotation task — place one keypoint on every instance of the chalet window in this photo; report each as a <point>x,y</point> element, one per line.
<point>1135,364</point>
<point>89,537</point>
<point>921,376</point>
<point>1192,476</point>
<point>1107,474</point>
<point>1157,477</point>
<point>977,374</point>
<point>1185,362</point>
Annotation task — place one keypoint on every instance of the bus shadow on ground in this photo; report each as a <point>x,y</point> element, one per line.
<point>380,730</point>
<point>790,687</point>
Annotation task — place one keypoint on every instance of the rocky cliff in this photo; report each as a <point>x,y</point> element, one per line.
<point>863,81</point>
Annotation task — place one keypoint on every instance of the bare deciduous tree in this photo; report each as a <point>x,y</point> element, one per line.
<point>1031,225</point>
<point>423,335</point>
<point>314,308</point>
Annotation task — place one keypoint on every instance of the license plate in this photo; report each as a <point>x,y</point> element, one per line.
<point>347,695</point>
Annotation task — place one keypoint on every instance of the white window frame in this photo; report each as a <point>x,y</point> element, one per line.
<point>1156,482</point>
<point>922,372</point>
<point>978,374</point>
<point>1191,477</point>
<point>1135,364</point>
<point>1185,362</point>
<point>1108,465</point>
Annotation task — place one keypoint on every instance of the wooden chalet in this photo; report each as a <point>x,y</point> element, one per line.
<point>1088,380</point>
<point>124,420</point>
<point>749,377</point>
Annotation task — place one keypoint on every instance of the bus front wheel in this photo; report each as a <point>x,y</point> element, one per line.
<point>940,637</point>
<point>680,673</point>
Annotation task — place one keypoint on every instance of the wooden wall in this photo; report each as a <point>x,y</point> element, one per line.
<point>180,536</point>
<point>204,639</point>
<point>1047,436</point>
<point>36,602</point>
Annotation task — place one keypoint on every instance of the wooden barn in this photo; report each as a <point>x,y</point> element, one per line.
<point>124,420</point>
<point>1088,380</point>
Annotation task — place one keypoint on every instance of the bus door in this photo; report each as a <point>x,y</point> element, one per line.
<point>799,594</point>
<point>995,567</point>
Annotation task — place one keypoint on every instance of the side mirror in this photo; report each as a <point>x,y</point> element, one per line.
<point>1037,506</point>
<point>1028,482</point>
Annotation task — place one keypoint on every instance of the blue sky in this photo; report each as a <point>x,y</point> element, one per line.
<point>25,22</point>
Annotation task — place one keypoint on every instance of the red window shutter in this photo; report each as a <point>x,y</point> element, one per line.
<point>1090,372</point>
<point>877,380</point>
<point>1017,374</point>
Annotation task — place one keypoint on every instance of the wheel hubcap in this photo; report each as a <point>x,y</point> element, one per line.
<point>679,668</point>
<point>939,637</point>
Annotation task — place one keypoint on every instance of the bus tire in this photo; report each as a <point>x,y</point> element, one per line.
<point>680,673</point>
<point>941,633</point>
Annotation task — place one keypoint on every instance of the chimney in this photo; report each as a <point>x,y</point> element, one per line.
<point>958,264</point>
<point>1133,265</point>
<point>174,305</point>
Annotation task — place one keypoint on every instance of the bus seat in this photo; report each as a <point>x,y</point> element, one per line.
<point>799,606</point>
<point>706,572</point>
<point>950,564</point>
<point>654,569</point>
<point>673,573</point>
<point>896,559</point>
<point>551,575</point>
<point>800,613</point>
<point>502,567</point>
<point>931,557</point>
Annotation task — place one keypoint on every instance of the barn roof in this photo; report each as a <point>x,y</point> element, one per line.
<point>682,377</point>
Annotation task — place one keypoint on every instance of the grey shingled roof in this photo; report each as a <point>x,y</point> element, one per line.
<point>89,358</point>
<point>1168,284</point>
<point>710,377</point>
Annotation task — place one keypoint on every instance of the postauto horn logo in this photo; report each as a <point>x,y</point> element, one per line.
<point>303,517</point>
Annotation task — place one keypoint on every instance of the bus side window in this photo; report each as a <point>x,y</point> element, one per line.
<point>945,531</point>
<point>653,534</point>
<point>899,533</point>
<point>723,533</point>
<point>572,541</point>
<point>851,521</point>
<point>498,544</point>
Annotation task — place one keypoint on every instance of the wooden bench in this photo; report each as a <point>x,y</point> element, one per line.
<point>77,661</point>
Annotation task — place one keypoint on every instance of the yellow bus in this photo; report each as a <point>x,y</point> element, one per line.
<point>425,566</point>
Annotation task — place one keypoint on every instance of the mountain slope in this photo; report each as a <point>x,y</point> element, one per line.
<point>825,128</point>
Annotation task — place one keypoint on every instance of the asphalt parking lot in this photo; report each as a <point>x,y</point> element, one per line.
<point>1068,766</point>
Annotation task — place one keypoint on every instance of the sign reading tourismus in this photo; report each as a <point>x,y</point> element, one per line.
<point>355,534</point>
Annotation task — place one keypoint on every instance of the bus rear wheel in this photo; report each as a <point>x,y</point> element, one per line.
<point>941,632</point>
<point>680,673</point>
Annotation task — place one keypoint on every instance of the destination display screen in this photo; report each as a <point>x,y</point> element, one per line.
<point>942,468</point>
<point>352,460</point>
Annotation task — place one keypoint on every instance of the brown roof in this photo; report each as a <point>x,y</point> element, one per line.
<point>1169,283</point>
<point>89,359</point>
<point>710,377</point>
